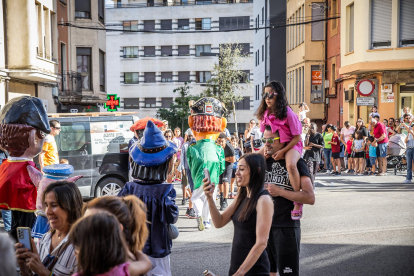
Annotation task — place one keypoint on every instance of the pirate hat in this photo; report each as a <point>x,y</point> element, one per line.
<point>208,106</point>
<point>153,149</point>
<point>25,110</point>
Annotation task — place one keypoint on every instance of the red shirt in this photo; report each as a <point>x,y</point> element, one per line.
<point>379,130</point>
<point>389,132</point>
<point>337,147</point>
<point>349,146</point>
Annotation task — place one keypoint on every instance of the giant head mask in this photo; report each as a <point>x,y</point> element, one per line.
<point>206,119</point>
<point>23,126</point>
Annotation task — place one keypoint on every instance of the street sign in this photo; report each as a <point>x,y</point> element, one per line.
<point>364,101</point>
<point>365,87</point>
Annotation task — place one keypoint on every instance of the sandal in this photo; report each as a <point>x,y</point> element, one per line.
<point>294,212</point>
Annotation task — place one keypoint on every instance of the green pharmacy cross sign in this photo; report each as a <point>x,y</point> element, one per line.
<point>112,103</point>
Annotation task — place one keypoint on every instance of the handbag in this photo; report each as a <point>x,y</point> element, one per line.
<point>173,231</point>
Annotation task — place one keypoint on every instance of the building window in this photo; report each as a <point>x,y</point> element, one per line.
<point>234,23</point>
<point>166,51</point>
<point>166,24</point>
<point>297,87</point>
<point>203,24</point>
<point>149,51</point>
<point>149,25</point>
<point>183,24</point>
<point>82,8</point>
<point>102,71</point>
<point>131,78</point>
<point>150,102</point>
<point>101,11</point>
<point>381,14</point>
<point>245,76</point>
<point>166,76</point>
<point>166,102</point>
<point>406,23</point>
<point>351,28</point>
<point>317,28</point>
<point>300,85</point>
<point>149,76</point>
<point>263,16</point>
<point>243,104</point>
<point>150,3</point>
<point>131,52</point>
<point>245,49</point>
<point>333,13</point>
<point>130,25</point>
<point>263,52</point>
<point>183,76</point>
<point>131,103</point>
<point>203,76</point>
<point>183,50</point>
<point>202,49</point>
<point>83,60</point>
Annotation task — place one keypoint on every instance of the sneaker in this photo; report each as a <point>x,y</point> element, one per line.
<point>407,181</point>
<point>346,171</point>
<point>224,205</point>
<point>328,171</point>
<point>360,174</point>
<point>200,223</point>
<point>333,173</point>
<point>221,199</point>
<point>190,213</point>
<point>338,173</point>
<point>184,201</point>
<point>207,224</point>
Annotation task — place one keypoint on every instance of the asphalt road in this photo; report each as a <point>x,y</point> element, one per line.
<point>358,226</point>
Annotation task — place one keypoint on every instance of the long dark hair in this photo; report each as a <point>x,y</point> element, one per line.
<point>281,105</point>
<point>362,125</point>
<point>100,243</point>
<point>257,166</point>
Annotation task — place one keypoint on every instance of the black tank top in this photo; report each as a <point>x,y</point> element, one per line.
<point>243,241</point>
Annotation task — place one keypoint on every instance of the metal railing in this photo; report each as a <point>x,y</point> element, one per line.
<point>174,3</point>
<point>71,83</point>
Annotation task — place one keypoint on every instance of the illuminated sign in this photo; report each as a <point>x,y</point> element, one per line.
<point>112,103</point>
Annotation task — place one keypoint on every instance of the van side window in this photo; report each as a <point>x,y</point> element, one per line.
<point>74,139</point>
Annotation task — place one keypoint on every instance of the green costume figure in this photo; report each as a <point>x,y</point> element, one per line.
<point>206,122</point>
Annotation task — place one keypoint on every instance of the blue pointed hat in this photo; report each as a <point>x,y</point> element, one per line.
<point>153,149</point>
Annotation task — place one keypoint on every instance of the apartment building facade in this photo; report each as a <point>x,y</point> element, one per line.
<point>269,47</point>
<point>162,44</point>
<point>305,46</point>
<point>377,44</point>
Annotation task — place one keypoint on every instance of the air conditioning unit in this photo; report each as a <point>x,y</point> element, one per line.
<point>349,95</point>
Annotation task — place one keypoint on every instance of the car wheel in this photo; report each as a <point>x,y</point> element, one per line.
<point>110,186</point>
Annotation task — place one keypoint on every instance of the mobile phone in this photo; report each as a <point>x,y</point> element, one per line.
<point>24,237</point>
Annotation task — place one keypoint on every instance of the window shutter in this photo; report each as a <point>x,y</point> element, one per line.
<point>149,76</point>
<point>166,24</point>
<point>351,29</point>
<point>183,50</point>
<point>381,14</point>
<point>149,25</point>
<point>83,5</point>
<point>317,28</point>
<point>149,51</point>
<point>406,22</point>
<point>166,50</point>
<point>166,76</point>
<point>183,76</point>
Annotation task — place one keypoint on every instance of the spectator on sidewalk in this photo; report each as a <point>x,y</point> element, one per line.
<point>336,151</point>
<point>225,177</point>
<point>409,140</point>
<point>359,153</point>
<point>372,144</point>
<point>313,145</point>
<point>406,110</point>
<point>345,132</point>
<point>178,141</point>
<point>327,151</point>
<point>349,153</point>
<point>303,109</point>
<point>374,112</point>
<point>380,135</point>
<point>49,154</point>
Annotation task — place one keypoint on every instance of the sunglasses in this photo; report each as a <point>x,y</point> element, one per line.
<point>168,136</point>
<point>270,141</point>
<point>268,95</point>
<point>58,128</point>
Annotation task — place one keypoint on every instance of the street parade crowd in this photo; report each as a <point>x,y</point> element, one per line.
<point>272,169</point>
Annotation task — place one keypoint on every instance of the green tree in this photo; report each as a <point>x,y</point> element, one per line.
<point>179,110</point>
<point>228,82</point>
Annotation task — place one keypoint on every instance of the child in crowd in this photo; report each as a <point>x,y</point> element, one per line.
<point>367,161</point>
<point>336,151</point>
<point>359,155</point>
<point>98,258</point>
<point>275,112</point>
<point>303,108</point>
<point>349,152</point>
<point>372,153</point>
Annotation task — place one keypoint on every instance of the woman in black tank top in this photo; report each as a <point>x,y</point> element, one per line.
<point>251,213</point>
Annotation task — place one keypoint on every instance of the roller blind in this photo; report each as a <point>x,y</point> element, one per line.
<point>406,22</point>
<point>183,50</point>
<point>381,14</point>
<point>166,50</point>
<point>351,29</point>
<point>149,76</point>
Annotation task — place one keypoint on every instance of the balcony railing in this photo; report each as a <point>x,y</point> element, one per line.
<point>174,3</point>
<point>71,83</point>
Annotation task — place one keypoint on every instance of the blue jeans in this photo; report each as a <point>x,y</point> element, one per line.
<point>6,219</point>
<point>409,154</point>
<point>328,155</point>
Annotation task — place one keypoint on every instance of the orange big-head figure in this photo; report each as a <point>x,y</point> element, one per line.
<point>206,119</point>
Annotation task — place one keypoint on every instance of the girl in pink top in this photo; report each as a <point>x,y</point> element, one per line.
<point>275,112</point>
<point>101,249</point>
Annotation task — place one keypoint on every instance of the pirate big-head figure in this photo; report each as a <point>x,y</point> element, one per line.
<point>23,126</point>
<point>206,118</point>
<point>152,156</point>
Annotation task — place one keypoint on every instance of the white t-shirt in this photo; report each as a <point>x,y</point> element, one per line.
<point>302,115</point>
<point>346,132</point>
<point>188,131</point>
<point>256,134</point>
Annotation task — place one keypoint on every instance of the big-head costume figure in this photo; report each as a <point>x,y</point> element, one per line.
<point>152,160</point>
<point>23,127</point>
<point>206,122</point>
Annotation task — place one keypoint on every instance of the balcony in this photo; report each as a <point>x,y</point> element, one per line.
<point>173,3</point>
<point>70,88</point>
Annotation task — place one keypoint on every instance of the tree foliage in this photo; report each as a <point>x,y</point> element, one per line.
<point>178,112</point>
<point>226,83</point>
